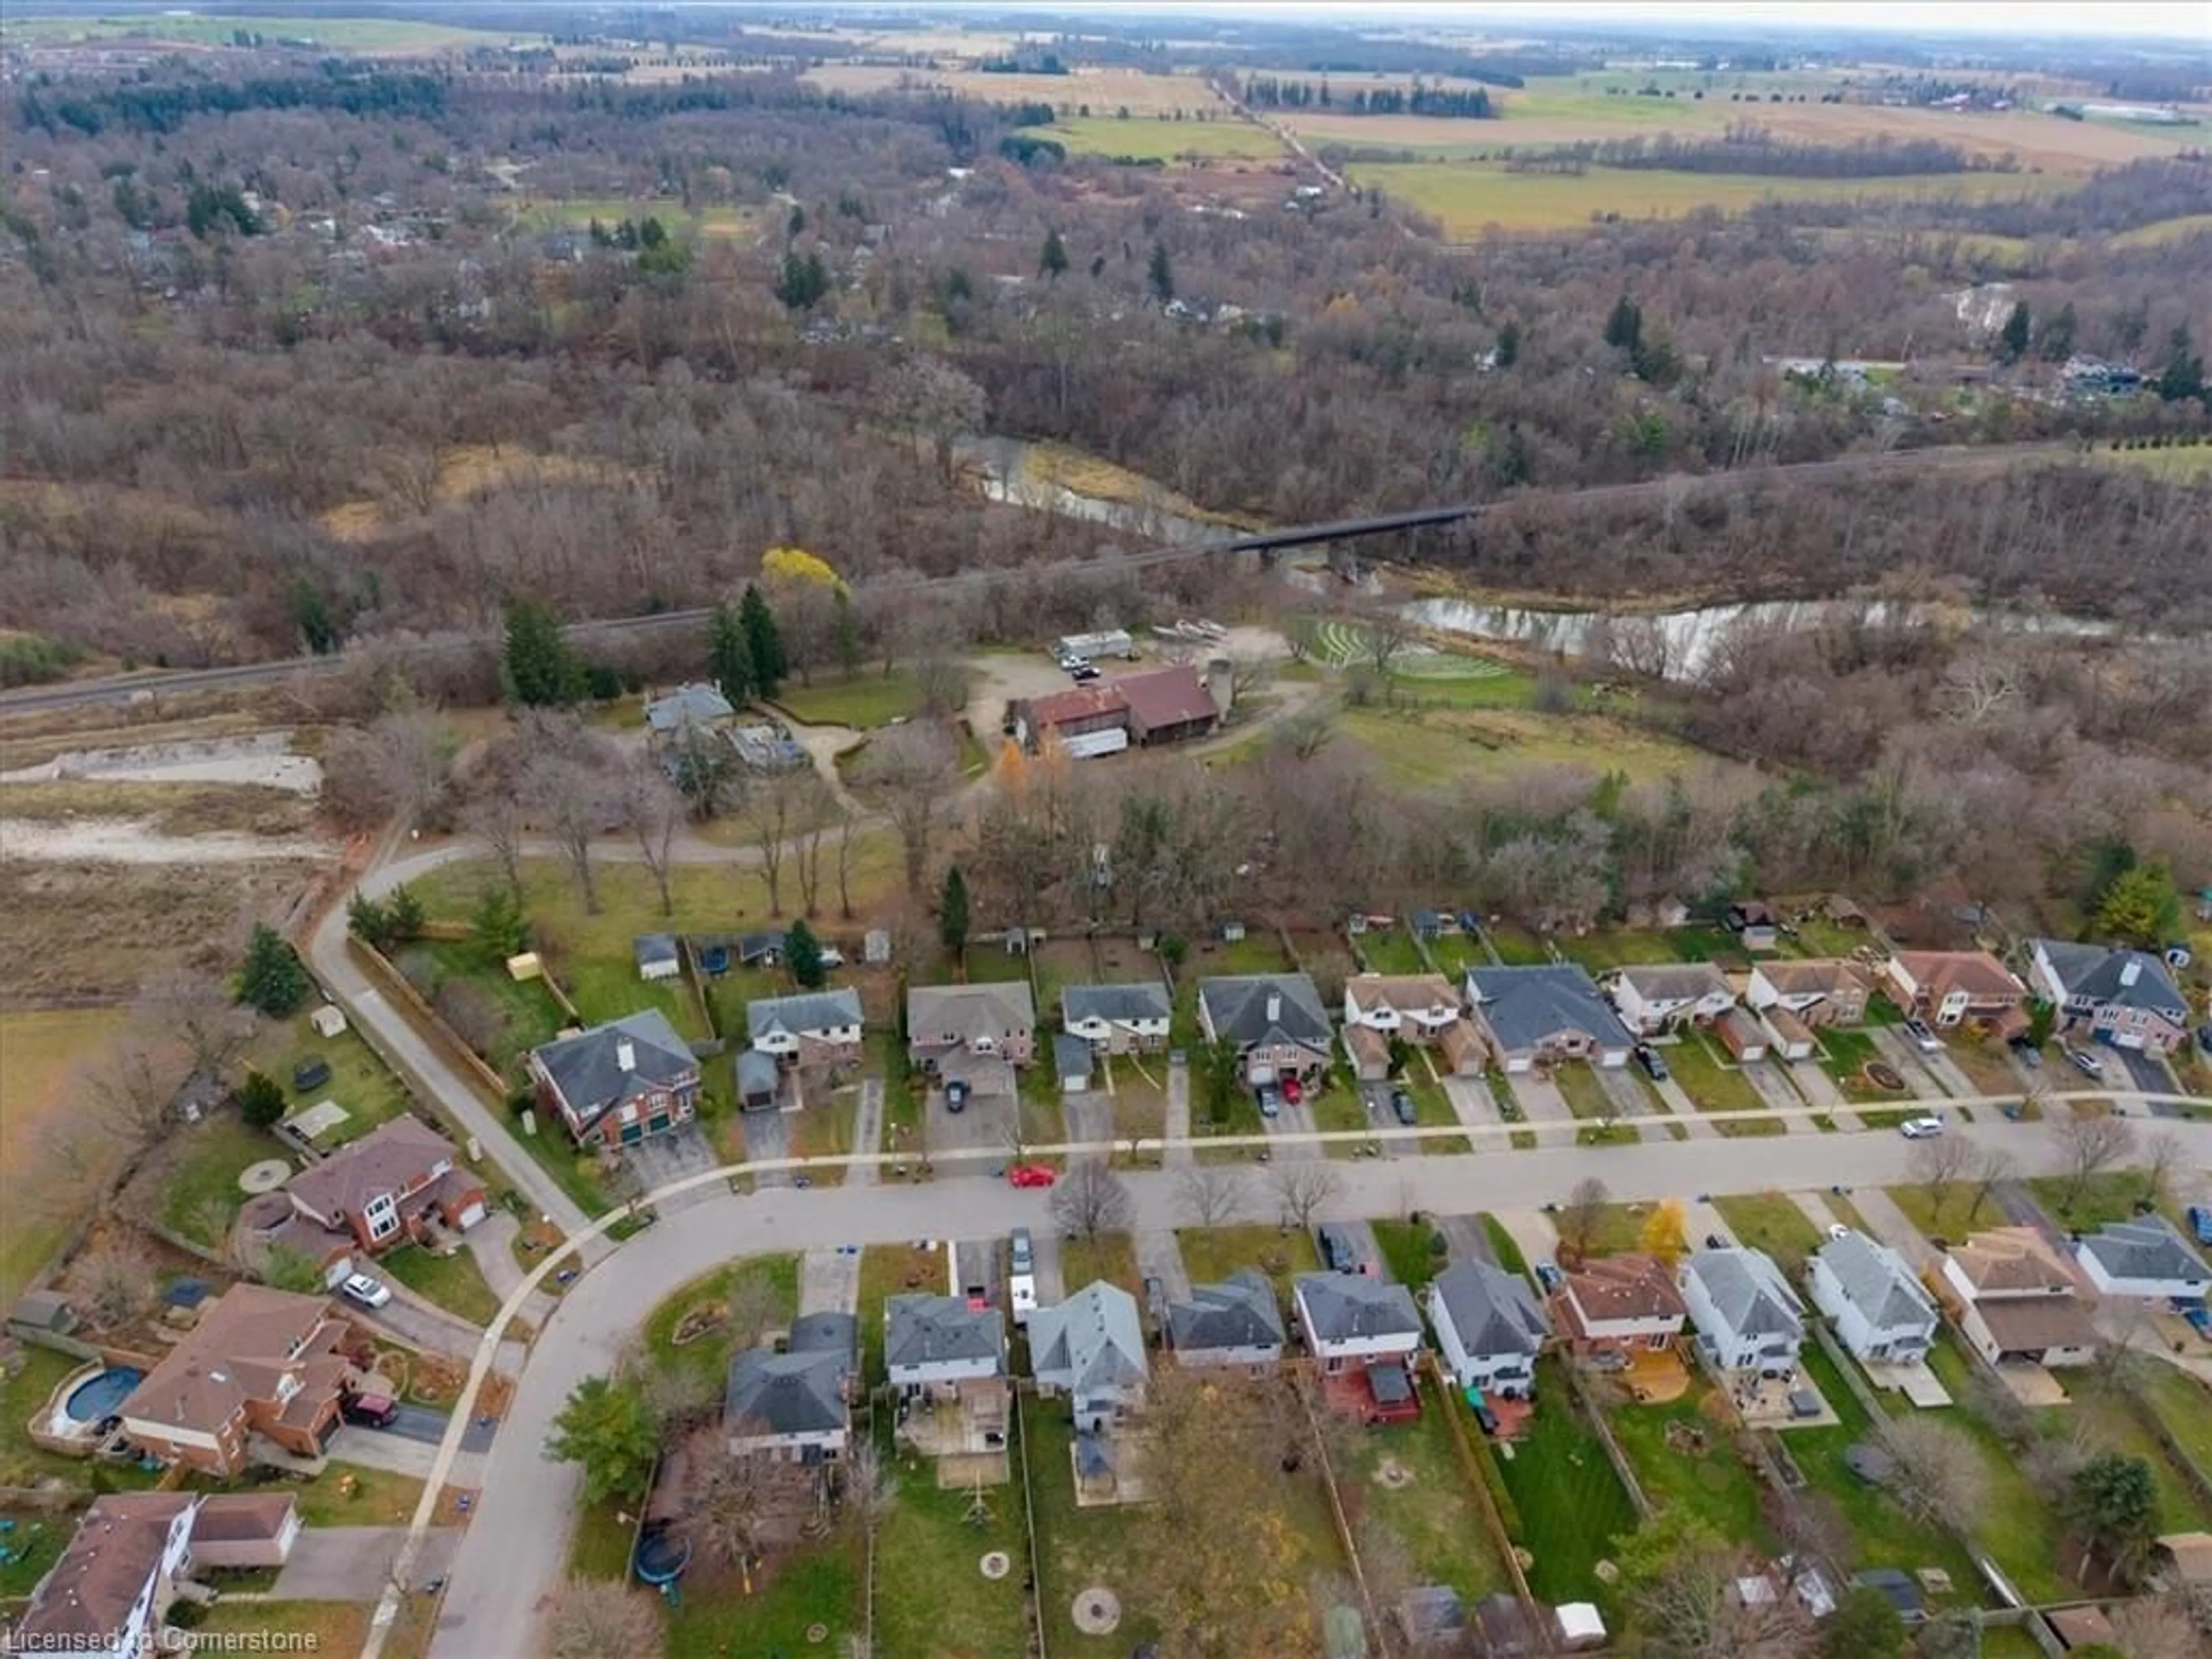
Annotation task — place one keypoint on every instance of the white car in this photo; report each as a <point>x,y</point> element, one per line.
<point>369,1292</point>
<point>1837,1229</point>
<point>1923,1039</point>
<point>2091,1063</point>
<point>1920,1128</point>
<point>1022,1288</point>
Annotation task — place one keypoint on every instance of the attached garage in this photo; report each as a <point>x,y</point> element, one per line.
<point>470,1215</point>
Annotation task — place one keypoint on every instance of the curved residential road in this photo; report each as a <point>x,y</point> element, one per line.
<point>512,1556</point>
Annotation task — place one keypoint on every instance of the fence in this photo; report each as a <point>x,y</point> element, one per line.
<point>1603,1430</point>
<point>1481,1471</point>
<point>425,1019</point>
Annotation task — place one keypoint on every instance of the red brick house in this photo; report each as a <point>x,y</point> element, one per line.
<point>616,1083</point>
<point>1958,987</point>
<point>1616,1307</point>
<point>390,1186</point>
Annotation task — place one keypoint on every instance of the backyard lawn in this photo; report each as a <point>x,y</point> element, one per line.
<point>600,1545</point>
<point>860,701</point>
<point>200,1195</point>
<point>2108,1423</point>
<point>822,1585</point>
<point>605,988</point>
<point>1770,1222</point>
<point>359,1081</point>
<point>1258,952</point>
<point>1455,953</point>
<point>527,1013</point>
<point>455,1282</point>
<point>1393,951</point>
<point>1571,1505</point>
<point>1710,1481</point>
<point>931,1539</point>
<point>1409,1477</point>
<point>1078,1547</point>
<point>2019,1529</point>
<point>2184,1405</point>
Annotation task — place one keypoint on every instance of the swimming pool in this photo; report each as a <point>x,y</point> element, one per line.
<point>97,1398</point>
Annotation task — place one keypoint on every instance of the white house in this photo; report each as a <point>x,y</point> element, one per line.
<point>1747,1317</point>
<point>1118,1019</point>
<point>1091,1349</point>
<point>2145,1258</point>
<point>817,1028</point>
<point>1351,1320</point>
<point>1489,1327</point>
<point>1819,991</point>
<point>1654,998</point>
<point>1881,1314</point>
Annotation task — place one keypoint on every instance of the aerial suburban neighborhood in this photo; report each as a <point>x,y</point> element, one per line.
<point>1209,832</point>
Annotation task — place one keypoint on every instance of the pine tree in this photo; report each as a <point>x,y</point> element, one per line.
<point>730,656</point>
<point>952,912</point>
<point>1624,330</point>
<point>1161,274</point>
<point>542,670</point>
<point>261,1100</point>
<point>2055,342</point>
<point>2184,375</point>
<point>845,631</point>
<point>1052,263</point>
<point>272,981</point>
<point>802,954</point>
<point>404,912</point>
<point>763,641</point>
<point>1509,344</point>
<point>2018,328</point>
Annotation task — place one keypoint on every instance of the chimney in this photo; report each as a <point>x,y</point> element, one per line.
<point>2130,970</point>
<point>625,1055</point>
<point>1274,1006</point>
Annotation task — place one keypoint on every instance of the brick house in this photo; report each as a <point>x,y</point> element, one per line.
<point>1276,1020</point>
<point>617,1083</point>
<point>1118,1019</point>
<point>1820,991</point>
<point>1612,1307</point>
<point>1958,987</point>
<point>1421,1009</point>
<point>396,1183</point>
<point>2125,997</point>
<point>975,1034</point>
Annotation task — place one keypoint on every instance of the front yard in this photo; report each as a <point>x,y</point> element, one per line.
<point>1845,1055</point>
<point>1210,1254</point>
<point>1715,1086</point>
<point>350,1495</point>
<point>1110,1256</point>
<point>1770,1222</point>
<point>455,1282</point>
<point>1571,1506</point>
<point>763,1288</point>
<point>1410,1250</point>
<point>2103,1199</point>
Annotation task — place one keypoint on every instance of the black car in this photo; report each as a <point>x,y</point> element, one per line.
<point>956,1096</point>
<point>1402,1108</point>
<point>1336,1252</point>
<point>1653,1063</point>
<point>1715,1242</point>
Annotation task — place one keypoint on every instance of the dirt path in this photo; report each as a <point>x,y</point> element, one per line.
<point>134,840</point>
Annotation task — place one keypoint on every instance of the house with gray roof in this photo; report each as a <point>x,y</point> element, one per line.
<point>2126,998</point>
<point>617,1083</point>
<point>688,707</point>
<point>794,1404</point>
<point>1881,1312</point>
<point>1118,1019</point>
<point>1277,1021</point>
<point>1349,1319</point>
<point>813,1029</point>
<point>1490,1327</point>
<point>946,1359</point>
<point>1091,1349</point>
<point>760,1081</point>
<point>1238,1322</point>
<point>1547,1014</point>
<point>976,1034</point>
<point>656,955</point>
<point>1747,1317</point>
<point>2144,1257</point>
<point>1073,1063</point>
<point>1654,997</point>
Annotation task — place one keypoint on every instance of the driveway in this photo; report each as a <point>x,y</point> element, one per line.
<point>867,1131</point>
<point>1766,1076</point>
<point>1685,1111</point>
<point>1542,1103</point>
<point>351,1563</point>
<point>1375,1098</point>
<point>830,1280</point>
<point>1532,1231</point>
<point>1471,1101</point>
<point>1159,1256</point>
<point>1090,1115</point>
<point>421,1324</point>
<point>1178,1118</point>
<point>1902,1053</point>
<point>1468,1238</point>
<point>1891,1227</point>
<point>422,1425</point>
<point>2142,1070</point>
<point>1051,1274</point>
<point>987,1123</point>
<point>374,1449</point>
<point>1624,1087</point>
<point>1819,1089</point>
<point>658,1159</point>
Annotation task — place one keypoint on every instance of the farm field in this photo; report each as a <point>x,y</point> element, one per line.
<point>1468,197</point>
<point>1421,746</point>
<point>44,1050</point>
<point>1146,137</point>
<point>399,36</point>
<point>1103,91</point>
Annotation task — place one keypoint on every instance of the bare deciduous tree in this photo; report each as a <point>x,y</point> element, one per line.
<point>199,1009</point>
<point>495,817</point>
<point>817,811</point>
<point>1090,1199</point>
<point>1939,1161</point>
<point>2088,1143</point>
<point>1303,1186</point>
<point>134,1090</point>
<point>848,835</point>
<point>914,769</point>
<point>1211,1194</point>
<point>1939,1475</point>
<point>654,812</point>
<point>1993,1167</point>
<point>117,1276</point>
<point>2163,1155</point>
<point>1584,1213</point>
<point>565,781</point>
<point>868,1488</point>
<point>2156,1627</point>
<point>592,1617</point>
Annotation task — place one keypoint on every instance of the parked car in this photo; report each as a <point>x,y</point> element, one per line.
<point>1030,1174</point>
<point>1653,1063</point>
<point>368,1411</point>
<point>1921,1128</point>
<point>2087,1062</point>
<point>1716,1241</point>
<point>1080,671</point>
<point>1549,1276</point>
<point>1336,1252</point>
<point>2204,1038</point>
<point>369,1292</point>
<point>2200,1223</point>
<point>1837,1229</point>
<point>1270,1098</point>
<point>956,1095</point>
<point>1021,1252</point>
<point>1402,1108</point>
<point>1293,1090</point>
<point>1922,1038</point>
<point>2027,1053</point>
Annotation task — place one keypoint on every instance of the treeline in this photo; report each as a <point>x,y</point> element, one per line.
<point>153,107</point>
<point>1754,151</point>
<point>1271,92</point>
<point>2121,199</point>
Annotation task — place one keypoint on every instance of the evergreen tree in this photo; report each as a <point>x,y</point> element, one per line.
<point>1509,344</point>
<point>2018,328</point>
<point>498,926</point>
<point>2112,1505</point>
<point>608,1426</point>
<point>730,656</point>
<point>1624,330</point>
<point>952,912</point>
<point>368,921</point>
<point>272,980</point>
<point>1053,262</point>
<point>763,641</point>
<point>542,669</point>
<point>845,630</point>
<point>802,954</point>
<point>2056,342</point>
<point>404,912</point>
<point>2184,375</point>
<point>261,1100</point>
<point>2140,907</point>
<point>1161,274</point>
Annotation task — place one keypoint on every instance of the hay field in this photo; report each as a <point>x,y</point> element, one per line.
<point>1223,138</point>
<point>1105,91</point>
<point>1467,197</point>
<point>392,37</point>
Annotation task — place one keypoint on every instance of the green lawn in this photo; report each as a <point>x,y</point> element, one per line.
<point>1619,947</point>
<point>607,987</point>
<point>2184,1405</point>
<point>1409,1251</point>
<point>1516,946</point>
<point>1395,952</point>
<point>530,1015</point>
<point>1714,1086</point>
<point>1432,1108</point>
<point>1457,952</point>
<point>1258,952</point>
<point>1210,1254</point>
<point>863,702</point>
<point>1078,1547</point>
<point>1432,1514</point>
<point>1619,1228</point>
<point>1585,1096</point>
<point>1770,1222</point>
<point>350,1495</point>
<point>2108,1423</point>
<point>1110,1256</point>
<point>1146,138</point>
<point>931,1541</point>
<point>200,1196</point>
<point>821,1585</point>
<point>2103,1199</point>
<point>1571,1504</point>
<point>2019,1529</point>
<point>1951,1216</point>
<point>1504,1247</point>
<point>359,1081</point>
<point>600,1546</point>
<point>1845,1058</point>
<point>1712,1484</point>
<point>455,1282</point>
<point>709,1355</point>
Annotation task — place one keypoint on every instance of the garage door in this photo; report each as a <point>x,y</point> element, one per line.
<point>632,1134</point>
<point>1520,1065</point>
<point>1259,1074</point>
<point>471,1216</point>
<point>656,1125</point>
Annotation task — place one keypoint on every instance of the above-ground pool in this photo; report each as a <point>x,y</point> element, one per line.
<point>99,1398</point>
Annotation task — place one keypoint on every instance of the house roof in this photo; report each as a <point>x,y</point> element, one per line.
<point>1093,1340</point>
<point>935,1330</point>
<point>756,1071</point>
<point>2192,1555</point>
<point>1239,1312</point>
<point>1237,1007</point>
<point>242,1518</point>
<point>1492,1311</point>
<point>991,1009</point>
<point>1340,1307</point>
<point>818,1333</point>
<point>810,1010</point>
<point>1115,1004</point>
<point>1408,993</point>
<point>2127,979</point>
<point>759,946</point>
<point>1079,702</point>
<point>2029,1324</point>
<point>1748,1290</point>
<point>795,1393</point>
<point>2011,1259</point>
<point>1874,1279</point>
<point>1675,982</point>
<point>1524,1006</point>
<point>89,1592</point>
<point>1825,977</point>
<point>1980,976</point>
<point>688,705</point>
<point>1168,696</point>
<point>587,1067</point>
<point>1632,1287</point>
<point>2146,1247</point>
<point>247,1338</point>
<point>653,948</point>
<point>390,1158</point>
<point>1071,1056</point>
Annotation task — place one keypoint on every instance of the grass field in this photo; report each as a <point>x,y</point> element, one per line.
<point>1431,1513</point>
<point>577,212</point>
<point>864,701</point>
<point>1715,1087</point>
<point>1713,1483</point>
<point>2165,230</point>
<point>42,1051</point>
<point>361,35</point>
<point>931,1539</point>
<point>1571,1504</point>
<point>1210,1254</point>
<point>1467,196</point>
<point>771,1282</point>
<point>821,1586</point>
<point>1421,747</point>
<point>1103,92</point>
<point>455,1282</point>
<point>2185,465</point>
<point>200,1196</point>
<point>1147,137</point>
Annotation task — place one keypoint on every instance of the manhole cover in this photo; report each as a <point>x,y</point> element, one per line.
<point>1098,1611</point>
<point>996,1565</point>
<point>266,1176</point>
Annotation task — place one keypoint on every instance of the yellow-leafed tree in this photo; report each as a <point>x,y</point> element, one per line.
<point>796,567</point>
<point>1666,1233</point>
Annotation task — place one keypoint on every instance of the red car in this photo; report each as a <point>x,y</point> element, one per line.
<point>1292,1089</point>
<point>1031,1174</point>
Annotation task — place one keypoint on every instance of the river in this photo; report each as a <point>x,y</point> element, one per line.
<point>1006,467</point>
